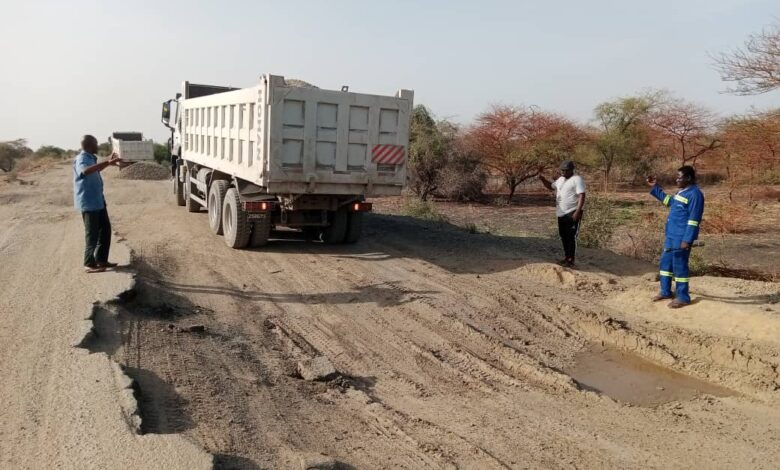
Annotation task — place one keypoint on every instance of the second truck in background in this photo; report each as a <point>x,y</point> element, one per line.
<point>131,146</point>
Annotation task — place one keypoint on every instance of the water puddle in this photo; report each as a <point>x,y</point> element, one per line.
<point>630,379</point>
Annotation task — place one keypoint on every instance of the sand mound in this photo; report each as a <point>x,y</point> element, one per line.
<point>145,171</point>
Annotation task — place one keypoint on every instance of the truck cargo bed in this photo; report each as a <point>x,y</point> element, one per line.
<point>301,140</point>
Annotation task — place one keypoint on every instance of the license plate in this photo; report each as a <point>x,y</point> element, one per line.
<point>257,215</point>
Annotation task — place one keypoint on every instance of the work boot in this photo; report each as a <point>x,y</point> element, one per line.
<point>660,297</point>
<point>677,304</point>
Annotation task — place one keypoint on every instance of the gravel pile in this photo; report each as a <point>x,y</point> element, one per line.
<point>294,82</point>
<point>145,171</point>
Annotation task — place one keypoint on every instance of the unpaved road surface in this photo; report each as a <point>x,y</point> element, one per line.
<point>61,407</point>
<point>454,350</point>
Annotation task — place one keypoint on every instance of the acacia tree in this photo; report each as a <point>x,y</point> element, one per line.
<point>518,143</point>
<point>622,135</point>
<point>687,128</point>
<point>427,152</point>
<point>751,145</point>
<point>755,68</point>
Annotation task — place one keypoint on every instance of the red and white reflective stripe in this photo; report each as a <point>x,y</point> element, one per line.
<point>388,154</point>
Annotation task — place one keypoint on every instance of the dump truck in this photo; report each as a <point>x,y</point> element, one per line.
<point>131,146</point>
<point>284,153</point>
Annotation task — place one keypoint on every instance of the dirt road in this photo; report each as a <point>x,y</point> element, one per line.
<point>62,407</point>
<point>454,350</point>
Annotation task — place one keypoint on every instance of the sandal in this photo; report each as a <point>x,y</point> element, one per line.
<point>677,304</point>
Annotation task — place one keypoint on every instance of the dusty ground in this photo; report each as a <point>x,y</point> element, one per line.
<point>454,349</point>
<point>756,247</point>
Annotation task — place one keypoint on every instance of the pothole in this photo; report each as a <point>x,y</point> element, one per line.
<point>628,378</point>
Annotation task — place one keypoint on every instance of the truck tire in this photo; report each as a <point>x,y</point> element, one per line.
<point>235,225</point>
<point>215,201</point>
<point>354,227</point>
<point>337,230</point>
<point>178,190</point>
<point>192,206</point>
<point>261,231</point>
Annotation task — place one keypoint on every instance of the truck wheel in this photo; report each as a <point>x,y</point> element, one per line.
<point>261,230</point>
<point>235,224</point>
<point>192,206</point>
<point>337,230</point>
<point>215,201</point>
<point>178,190</point>
<point>354,227</point>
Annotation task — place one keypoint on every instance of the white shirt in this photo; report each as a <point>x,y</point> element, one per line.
<point>566,192</point>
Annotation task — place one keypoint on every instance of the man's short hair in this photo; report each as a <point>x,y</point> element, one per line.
<point>87,138</point>
<point>688,171</point>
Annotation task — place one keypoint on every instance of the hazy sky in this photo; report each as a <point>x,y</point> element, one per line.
<point>75,67</point>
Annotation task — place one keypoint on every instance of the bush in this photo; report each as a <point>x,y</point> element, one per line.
<point>726,217</point>
<point>599,222</point>
<point>423,210</point>
<point>50,151</point>
<point>769,177</point>
<point>428,147</point>
<point>161,154</point>
<point>11,152</point>
<point>642,241</point>
<point>462,178</point>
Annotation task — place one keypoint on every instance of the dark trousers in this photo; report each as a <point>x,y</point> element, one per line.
<point>568,229</point>
<point>98,237</point>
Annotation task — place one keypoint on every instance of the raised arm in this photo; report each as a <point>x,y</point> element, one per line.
<point>88,170</point>
<point>657,192</point>
<point>547,184</point>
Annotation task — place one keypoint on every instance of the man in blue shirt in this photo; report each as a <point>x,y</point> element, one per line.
<point>89,200</point>
<point>682,229</point>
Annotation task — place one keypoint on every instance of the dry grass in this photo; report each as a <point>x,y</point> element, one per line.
<point>727,217</point>
<point>28,165</point>
<point>642,239</point>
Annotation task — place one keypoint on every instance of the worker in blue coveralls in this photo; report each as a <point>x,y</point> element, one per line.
<point>682,229</point>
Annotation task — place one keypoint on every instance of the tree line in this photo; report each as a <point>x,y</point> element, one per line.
<point>15,150</point>
<point>630,136</point>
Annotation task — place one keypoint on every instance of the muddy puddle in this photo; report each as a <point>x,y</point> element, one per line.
<point>630,379</point>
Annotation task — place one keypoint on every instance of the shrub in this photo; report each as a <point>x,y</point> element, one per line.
<point>50,151</point>
<point>462,178</point>
<point>161,154</point>
<point>428,147</point>
<point>599,222</point>
<point>11,152</point>
<point>769,177</point>
<point>423,210</point>
<point>642,241</point>
<point>726,217</point>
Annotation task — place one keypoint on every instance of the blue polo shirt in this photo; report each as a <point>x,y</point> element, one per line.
<point>87,189</point>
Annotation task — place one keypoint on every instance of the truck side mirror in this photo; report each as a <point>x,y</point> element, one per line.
<point>166,112</point>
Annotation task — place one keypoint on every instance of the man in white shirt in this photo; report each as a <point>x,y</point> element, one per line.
<point>569,201</point>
